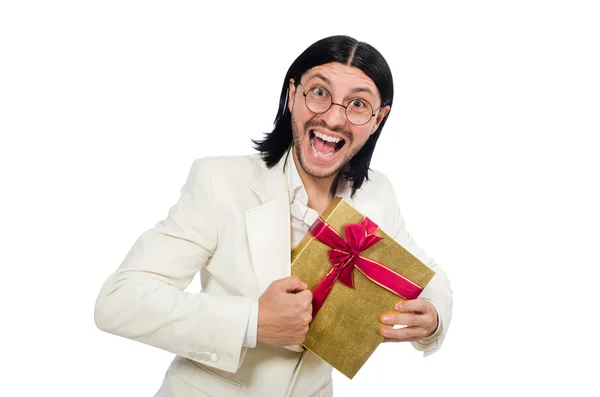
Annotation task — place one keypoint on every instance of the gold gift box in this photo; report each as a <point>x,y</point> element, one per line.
<point>345,330</point>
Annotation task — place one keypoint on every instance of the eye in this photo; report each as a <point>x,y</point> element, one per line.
<point>358,104</point>
<point>318,91</point>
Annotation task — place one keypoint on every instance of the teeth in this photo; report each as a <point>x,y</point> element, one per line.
<point>326,137</point>
<point>317,153</point>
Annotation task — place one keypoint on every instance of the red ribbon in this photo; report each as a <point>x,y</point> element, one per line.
<point>345,256</point>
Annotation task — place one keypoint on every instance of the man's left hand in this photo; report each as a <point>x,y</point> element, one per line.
<point>418,316</point>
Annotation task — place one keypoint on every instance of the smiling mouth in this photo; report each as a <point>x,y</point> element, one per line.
<point>325,146</point>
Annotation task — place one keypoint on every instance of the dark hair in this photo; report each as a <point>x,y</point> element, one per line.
<point>347,51</point>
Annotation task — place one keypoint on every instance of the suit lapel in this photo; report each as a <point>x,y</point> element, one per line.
<point>268,226</point>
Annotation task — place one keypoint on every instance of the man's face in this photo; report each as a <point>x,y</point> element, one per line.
<point>325,142</point>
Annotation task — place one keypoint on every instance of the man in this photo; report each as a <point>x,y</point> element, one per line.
<point>236,222</point>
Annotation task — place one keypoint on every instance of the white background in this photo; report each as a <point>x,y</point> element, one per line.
<point>491,144</point>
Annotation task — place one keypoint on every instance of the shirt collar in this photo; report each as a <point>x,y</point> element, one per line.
<point>296,187</point>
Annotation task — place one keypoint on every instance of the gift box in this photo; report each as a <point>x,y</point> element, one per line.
<point>356,273</point>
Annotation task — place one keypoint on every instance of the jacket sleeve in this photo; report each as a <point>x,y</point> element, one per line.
<point>438,291</point>
<point>144,300</point>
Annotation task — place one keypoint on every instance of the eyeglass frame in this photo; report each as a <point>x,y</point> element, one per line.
<point>339,104</point>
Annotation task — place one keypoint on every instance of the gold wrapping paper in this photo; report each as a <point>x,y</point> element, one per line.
<point>345,331</point>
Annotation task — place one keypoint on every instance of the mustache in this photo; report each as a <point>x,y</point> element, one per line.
<point>323,124</point>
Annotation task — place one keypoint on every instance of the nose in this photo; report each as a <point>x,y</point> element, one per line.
<point>335,116</point>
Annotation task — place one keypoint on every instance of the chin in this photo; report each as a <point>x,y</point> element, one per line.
<point>320,172</point>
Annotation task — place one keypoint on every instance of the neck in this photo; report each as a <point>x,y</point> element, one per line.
<point>320,191</point>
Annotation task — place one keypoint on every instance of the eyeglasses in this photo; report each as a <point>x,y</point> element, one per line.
<point>318,100</point>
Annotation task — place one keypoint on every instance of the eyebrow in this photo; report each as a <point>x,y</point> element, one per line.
<point>354,90</point>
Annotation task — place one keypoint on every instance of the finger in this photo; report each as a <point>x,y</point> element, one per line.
<point>427,321</point>
<point>406,334</point>
<point>305,300</point>
<point>306,318</point>
<point>305,295</point>
<point>407,319</point>
<point>292,284</point>
<point>413,306</point>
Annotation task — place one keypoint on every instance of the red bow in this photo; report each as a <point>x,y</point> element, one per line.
<point>345,256</point>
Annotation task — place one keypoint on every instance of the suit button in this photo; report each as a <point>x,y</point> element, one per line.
<point>214,358</point>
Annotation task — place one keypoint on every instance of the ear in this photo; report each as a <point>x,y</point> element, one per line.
<point>380,116</point>
<point>291,94</point>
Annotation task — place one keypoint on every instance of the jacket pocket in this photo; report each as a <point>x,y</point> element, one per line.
<point>204,379</point>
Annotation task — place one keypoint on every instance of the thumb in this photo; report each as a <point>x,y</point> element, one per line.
<point>293,284</point>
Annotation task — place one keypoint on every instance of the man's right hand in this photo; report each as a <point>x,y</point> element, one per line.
<point>284,311</point>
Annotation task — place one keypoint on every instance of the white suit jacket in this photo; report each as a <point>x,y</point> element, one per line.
<point>232,224</point>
